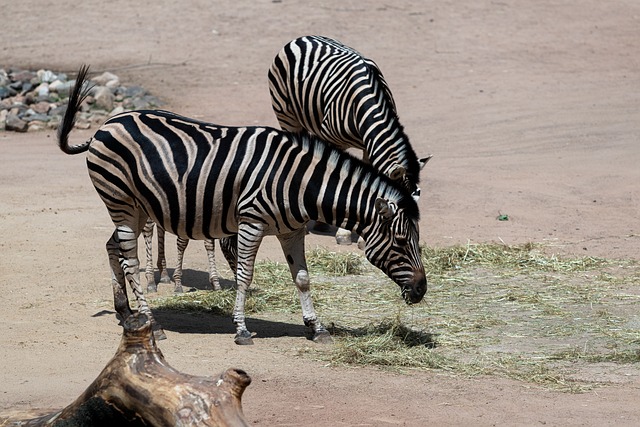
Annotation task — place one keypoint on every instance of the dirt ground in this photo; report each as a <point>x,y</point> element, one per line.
<point>531,109</point>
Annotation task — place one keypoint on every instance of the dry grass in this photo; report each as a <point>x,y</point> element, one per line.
<point>515,312</point>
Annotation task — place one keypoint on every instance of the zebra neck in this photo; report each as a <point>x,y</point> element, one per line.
<point>385,142</point>
<point>345,196</point>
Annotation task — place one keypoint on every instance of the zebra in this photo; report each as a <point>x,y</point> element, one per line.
<point>228,250</point>
<point>320,85</point>
<point>199,181</point>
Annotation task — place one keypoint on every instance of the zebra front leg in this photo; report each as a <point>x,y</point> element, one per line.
<point>128,247</point>
<point>214,281</point>
<point>177,273</point>
<point>293,248</point>
<point>147,232</point>
<point>249,239</point>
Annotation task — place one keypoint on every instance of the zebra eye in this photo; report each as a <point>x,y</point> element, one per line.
<point>401,240</point>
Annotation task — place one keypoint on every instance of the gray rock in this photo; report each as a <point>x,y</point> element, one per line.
<point>103,98</point>
<point>37,100</point>
<point>134,91</point>
<point>41,107</point>
<point>32,116</point>
<point>16,86</point>
<point>14,123</point>
<point>22,75</point>
<point>58,110</point>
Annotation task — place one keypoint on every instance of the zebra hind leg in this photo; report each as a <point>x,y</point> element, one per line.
<point>162,259</point>
<point>293,248</point>
<point>120,299</point>
<point>127,243</point>
<point>214,280</point>
<point>177,273</point>
<point>229,247</point>
<point>147,232</point>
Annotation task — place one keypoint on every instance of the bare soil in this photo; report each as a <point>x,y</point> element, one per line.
<point>531,109</point>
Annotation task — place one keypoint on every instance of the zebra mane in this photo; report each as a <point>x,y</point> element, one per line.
<point>356,167</point>
<point>409,154</point>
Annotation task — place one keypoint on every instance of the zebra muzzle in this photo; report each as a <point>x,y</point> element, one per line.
<point>414,291</point>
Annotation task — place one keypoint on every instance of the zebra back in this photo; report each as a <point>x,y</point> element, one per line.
<point>331,90</point>
<point>199,180</point>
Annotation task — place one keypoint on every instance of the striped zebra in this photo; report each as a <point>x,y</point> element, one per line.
<point>201,181</point>
<point>319,85</point>
<point>228,250</point>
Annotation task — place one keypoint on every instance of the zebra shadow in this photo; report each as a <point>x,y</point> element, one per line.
<point>185,322</point>
<point>195,280</point>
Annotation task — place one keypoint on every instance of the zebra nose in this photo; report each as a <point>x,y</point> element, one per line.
<point>418,288</point>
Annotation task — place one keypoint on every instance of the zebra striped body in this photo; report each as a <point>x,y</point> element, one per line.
<point>319,85</point>
<point>202,181</point>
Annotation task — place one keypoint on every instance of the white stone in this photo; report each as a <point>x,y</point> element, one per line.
<point>46,76</point>
<point>104,78</point>
<point>119,109</point>
<point>42,89</point>
<point>54,85</point>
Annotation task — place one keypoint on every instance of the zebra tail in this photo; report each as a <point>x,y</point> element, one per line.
<point>78,95</point>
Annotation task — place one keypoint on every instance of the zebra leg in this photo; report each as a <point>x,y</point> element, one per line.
<point>147,232</point>
<point>249,239</point>
<point>162,259</point>
<point>293,248</point>
<point>128,247</point>
<point>177,273</point>
<point>229,247</point>
<point>120,299</point>
<point>214,281</point>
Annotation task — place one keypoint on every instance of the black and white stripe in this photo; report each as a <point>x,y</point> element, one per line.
<point>319,85</point>
<point>202,181</point>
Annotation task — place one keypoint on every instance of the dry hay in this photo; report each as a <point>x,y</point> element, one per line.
<point>491,309</point>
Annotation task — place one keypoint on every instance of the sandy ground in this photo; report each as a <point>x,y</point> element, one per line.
<point>532,109</point>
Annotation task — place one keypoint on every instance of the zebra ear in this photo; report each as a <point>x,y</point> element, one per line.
<point>397,172</point>
<point>423,161</point>
<point>384,208</point>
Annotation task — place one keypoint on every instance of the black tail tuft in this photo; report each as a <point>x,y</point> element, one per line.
<point>78,95</point>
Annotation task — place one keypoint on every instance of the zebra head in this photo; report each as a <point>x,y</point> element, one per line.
<point>399,174</point>
<point>391,244</point>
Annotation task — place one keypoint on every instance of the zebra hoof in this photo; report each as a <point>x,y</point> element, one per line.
<point>323,337</point>
<point>243,338</point>
<point>178,289</point>
<point>164,278</point>
<point>151,288</point>
<point>158,333</point>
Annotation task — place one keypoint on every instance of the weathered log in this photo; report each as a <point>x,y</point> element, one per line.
<point>138,388</point>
